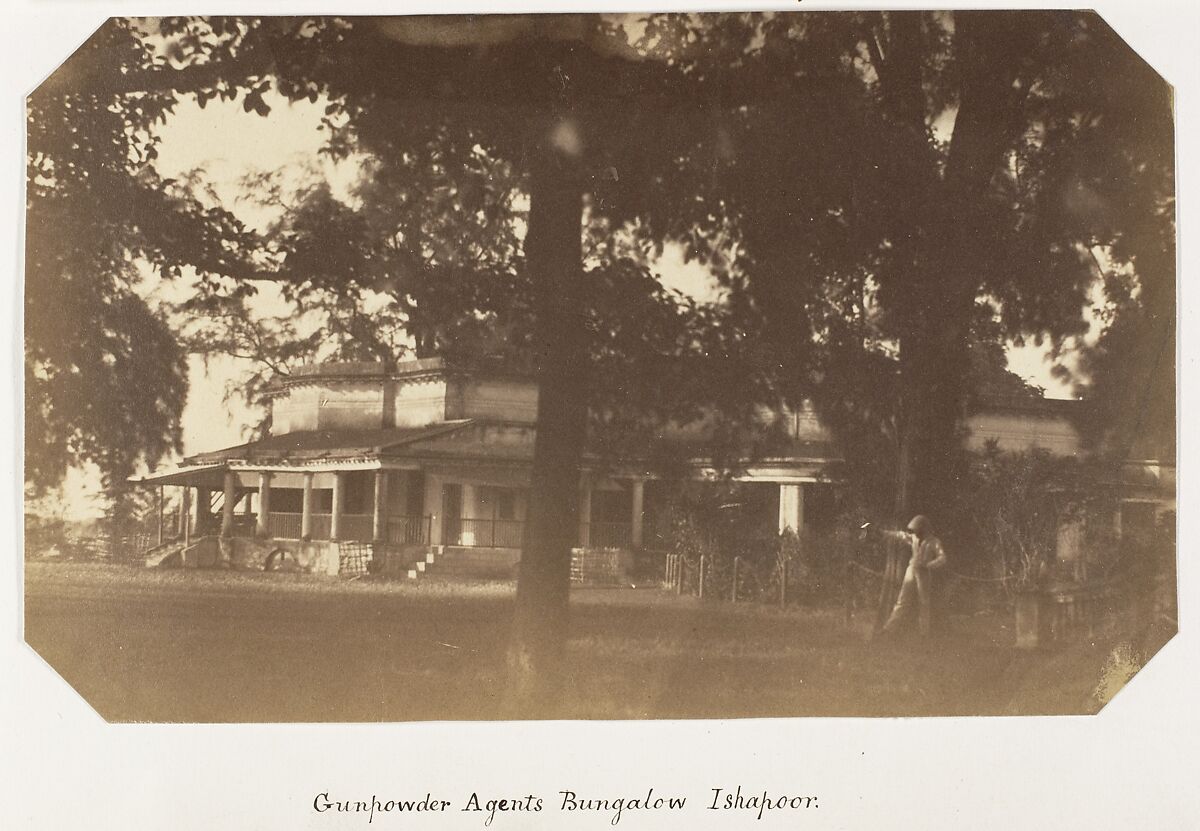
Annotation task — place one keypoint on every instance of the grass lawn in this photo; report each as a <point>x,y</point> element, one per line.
<point>211,646</point>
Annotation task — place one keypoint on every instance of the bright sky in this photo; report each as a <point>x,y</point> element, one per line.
<point>227,144</point>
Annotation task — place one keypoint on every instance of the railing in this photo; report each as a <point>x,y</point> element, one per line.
<point>485,533</point>
<point>244,525</point>
<point>357,527</point>
<point>606,535</point>
<point>284,526</point>
<point>321,526</point>
<point>408,530</point>
<point>361,528</point>
<point>288,526</point>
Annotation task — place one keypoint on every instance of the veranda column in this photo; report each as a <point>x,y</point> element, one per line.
<point>470,533</point>
<point>379,527</point>
<point>791,508</point>
<point>264,503</point>
<point>306,508</point>
<point>585,511</point>
<point>638,512</point>
<point>187,516</point>
<point>227,508</point>
<point>160,514</point>
<point>179,515</point>
<point>339,504</point>
<point>203,510</point>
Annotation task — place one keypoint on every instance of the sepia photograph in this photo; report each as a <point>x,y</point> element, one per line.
<point>628,366</point>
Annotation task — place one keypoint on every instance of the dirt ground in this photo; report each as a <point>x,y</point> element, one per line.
<point>209,646</point>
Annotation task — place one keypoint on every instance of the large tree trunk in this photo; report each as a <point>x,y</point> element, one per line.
<point>553,253</point>
<point>949,230</point>
<point>933,368</point>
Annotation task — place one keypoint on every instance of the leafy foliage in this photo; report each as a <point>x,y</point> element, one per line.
<point>105,379</point>
<point>1017,504</point>
<point>898,186</point>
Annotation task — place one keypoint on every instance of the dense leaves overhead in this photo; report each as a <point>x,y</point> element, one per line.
<point>907,190</point>
<point>883,196</point>
<point>105,379</point>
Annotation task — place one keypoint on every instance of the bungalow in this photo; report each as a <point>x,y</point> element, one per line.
<point>423,467</point>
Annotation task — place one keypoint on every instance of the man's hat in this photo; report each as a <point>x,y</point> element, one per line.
<point>920,524</point>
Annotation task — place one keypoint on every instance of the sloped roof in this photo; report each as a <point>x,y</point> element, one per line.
<point>326,444</point>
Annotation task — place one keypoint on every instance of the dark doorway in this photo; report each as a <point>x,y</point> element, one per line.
<point>451,513</point>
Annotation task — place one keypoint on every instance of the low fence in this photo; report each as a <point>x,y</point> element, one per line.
<point>598,567</point>
<point>1056,612</point>
<point>735,580</point>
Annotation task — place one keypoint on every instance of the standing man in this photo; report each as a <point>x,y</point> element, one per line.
<point>916,592</point>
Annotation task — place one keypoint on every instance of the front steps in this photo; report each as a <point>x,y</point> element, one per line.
<point>458,562</point>
<point>590,567</point>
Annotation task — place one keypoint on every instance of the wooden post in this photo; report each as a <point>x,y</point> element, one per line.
<point>187,516</point>
<point>1030,620</point>
<point>160,514</point>
<point>679,578</point>
<point>783,577</point>
<point>847,592</point>
<point>585,511</point>
<point>703,569</point>
<point>893,575</point>
<point>637,500</point>
<point>733,592</point>
<point>179,513</point>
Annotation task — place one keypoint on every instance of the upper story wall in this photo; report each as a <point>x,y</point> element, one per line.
<point>422,392</point>
<point>414,401</point>
<point>324,404</point>
<point>1015,431</point>
<point>365,396</point>
<point>493,399</point>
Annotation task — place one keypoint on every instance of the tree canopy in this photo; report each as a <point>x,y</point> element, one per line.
<point>907,190</point>
<point>105,378</point>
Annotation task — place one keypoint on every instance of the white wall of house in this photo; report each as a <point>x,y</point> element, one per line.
<point>416,402</point>
<point>497,399</point>
<point>1018,431</point>
<point>337,405</point>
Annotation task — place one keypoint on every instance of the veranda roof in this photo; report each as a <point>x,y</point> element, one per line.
<point>312,445</point>
<point>184,475</point>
